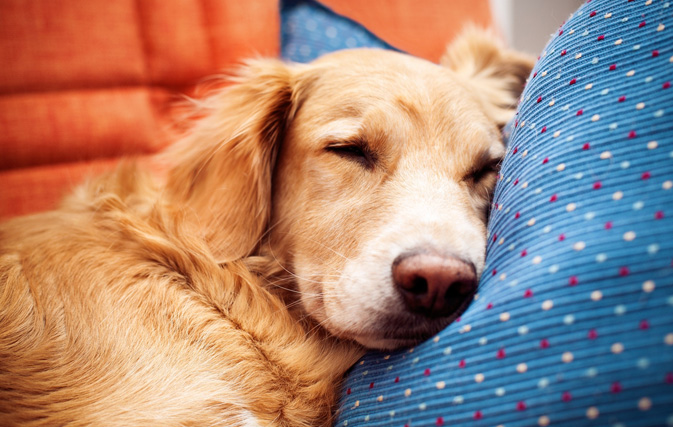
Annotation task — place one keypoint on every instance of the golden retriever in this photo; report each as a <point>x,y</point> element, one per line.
<point>313,211</point>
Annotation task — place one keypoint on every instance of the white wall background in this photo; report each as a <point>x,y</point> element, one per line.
<point>527,24</point>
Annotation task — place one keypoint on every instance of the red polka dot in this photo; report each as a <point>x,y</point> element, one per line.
<point>586,146</point>
<point>535,74</point>
<point>553,198</point>
<point>477,415</point>
<point>546,159</point>
<point>560,32</point>
<point>495,271</point>
<point>516,181</point>
<point>371,386</point>
<point>457,319</point>
<point>500,354</point>
<point>348,391</point>
<point>524,252</point>
<point>397,379</point>
<point>621,99</point>
<point>666,85</point>
<point>655,53</point>
<point>642,24</point>
<point>573,81</point>
<point>593,13</point>
<point>489,306</point>
<point>426,372</point>
<point>528,293</point>
<point>645,175</point>
<point>608,225</point>
<point>658,215</point>
<point>669,378</point>
<point>624,271</point>
<point>517,215</point>
<point>644,325</point>
<point>592,335</point>
<point>561,237</point>
<point>539,99</point>
<point>601,37</point>
<point>544,129</point>
<point>597,185</point>
<point>566,396</point>
<point>563,52</point>
<point>544,343</point>
<point>521,406</point>
<point>516,150</point>
<point>616,387</point>
<point>572,281</point>
<point>439,421</point>
<point>461,364</point>
<point>613,67</point>
<point>579,112</point>
<point>632,134</point>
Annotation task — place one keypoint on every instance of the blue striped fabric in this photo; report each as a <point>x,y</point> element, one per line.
<point>573,324</point>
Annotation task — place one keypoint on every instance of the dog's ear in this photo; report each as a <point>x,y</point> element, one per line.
<point>497,75</point>
<point>222,170</point>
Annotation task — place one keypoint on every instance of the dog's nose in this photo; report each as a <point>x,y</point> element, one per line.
<point>432,284</point>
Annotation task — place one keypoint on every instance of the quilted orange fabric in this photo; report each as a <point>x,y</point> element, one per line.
<point>85,82</point>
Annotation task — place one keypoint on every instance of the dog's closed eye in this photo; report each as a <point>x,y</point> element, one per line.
<point>480,172</point>
<point>355,151</point>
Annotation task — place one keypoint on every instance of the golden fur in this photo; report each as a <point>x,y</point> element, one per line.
<point>220,293</point>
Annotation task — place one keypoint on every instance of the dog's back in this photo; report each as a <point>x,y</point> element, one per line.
<point>111,313</point>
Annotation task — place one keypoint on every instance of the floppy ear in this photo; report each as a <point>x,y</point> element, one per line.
<point>223,169</point>
<point>497,75</point>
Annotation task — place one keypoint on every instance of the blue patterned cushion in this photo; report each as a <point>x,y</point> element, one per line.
<point>573,324</point>
<point>309,30</point>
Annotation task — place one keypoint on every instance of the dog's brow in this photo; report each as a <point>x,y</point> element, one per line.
<point>342,129</point>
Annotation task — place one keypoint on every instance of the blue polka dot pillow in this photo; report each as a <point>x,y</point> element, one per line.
<point>573,323</point>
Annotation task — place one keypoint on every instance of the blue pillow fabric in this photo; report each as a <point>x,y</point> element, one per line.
<point>309,30</point>
<point>573,323</point>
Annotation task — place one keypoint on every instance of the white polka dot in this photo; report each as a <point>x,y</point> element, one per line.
<point>589,216</point>
<point>613,126</point>
<point>668,339</point>
<point>561,167</point>
<point>630,73</point>
<point>640,106</point>
<point>543,421</point>
<point>554,268</point>
<point>595,118</point>
<point>458,400</point>
<point>537,259</point>
<point>483,341</point>
<point>466,328</point>
<point>643,363</point>
<point>629,236</point>
<point>547,305</point>
<point>504,317</point>
<point>648,286</point>
<point>547,228</point>
<point>440,385</point>
<point>592,412</point>
<point>551,103</point>
<point>636,46</point>
<point>618,42</point>
<point>669,300</point>
<point>503,276</point>
<point>513,283</point>
<point>523,330</point>
<point>479,378</point>
<point>601,257</point>
<point>638,205</point>
<point>569,319</point>
<point>644,404</point>
<point>531,222</point>
<point>658,113</point>
<point>499,391</point>
<point>625,164</point>
<point>667,185</point>
<point>571,207</point>
<point>591,372</point>
<point>379,399</point>
<point>620,309</point>
<point>567,357</point>
<point>578,175</point>
<point>521,368</point>
<point>604,91</point>
<point>606,155</point>
<point>538,190</point>
<point>578,246</point>
<point>653,249</point>
<point>588,86</point>
<point>617,348</point>
<point>544,382</point>
<point>652,145</point>
<point>351,42</point>
<point>596,295</point>
<point>423,406</point>
<point>447,351</point>
<point>407,392</point>
<point>331,32</point>
<point>648,79</point>
<point>617,195</point>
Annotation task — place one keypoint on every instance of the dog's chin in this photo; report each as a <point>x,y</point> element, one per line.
<point>400,332</point>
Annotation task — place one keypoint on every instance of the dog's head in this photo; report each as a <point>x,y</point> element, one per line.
<point>367,175</point>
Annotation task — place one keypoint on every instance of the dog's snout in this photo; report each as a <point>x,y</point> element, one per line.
<point>434,285</point>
